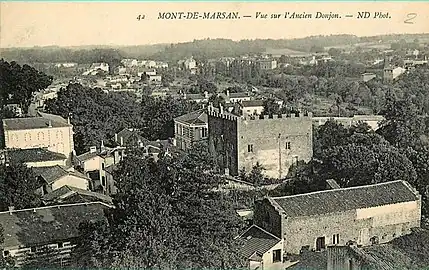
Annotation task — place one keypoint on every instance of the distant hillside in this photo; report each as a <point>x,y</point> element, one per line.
<point>206,49</point>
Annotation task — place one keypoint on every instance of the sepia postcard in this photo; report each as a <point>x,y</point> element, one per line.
<point>214,135</point>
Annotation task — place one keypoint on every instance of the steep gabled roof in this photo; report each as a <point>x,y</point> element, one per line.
<point>34,155</point>
<point>194,118</point>
<point>257,241</point>
<point>345,199</point>
<point>53,173</point>
<point>74,194</point>
<point>51,224</point>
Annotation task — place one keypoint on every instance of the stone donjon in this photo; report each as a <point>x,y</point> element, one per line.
<point>275,142</point>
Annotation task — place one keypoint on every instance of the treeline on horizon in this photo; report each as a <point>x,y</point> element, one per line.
<point>199,49</point>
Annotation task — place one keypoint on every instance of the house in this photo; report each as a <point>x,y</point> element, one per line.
<point>40,98</point>
<point>267,64</point>
<point>36,157</point>
<point>70,194</point>
<point>401,253</point>
<point>44,130</point>
<point>29,232</point>
<point>391,74</point>
<point>55,177</point>
<point>252,107</point>
<point>262,249</point>
<point>372,120</point>
<point>235,97</point>
<point>190,128</point>
<point>366,77</point>
<point>198,98</point>
<point>129,137</point>
<point>276,142</point>
<point>365,214</point>
<point>94,162</point>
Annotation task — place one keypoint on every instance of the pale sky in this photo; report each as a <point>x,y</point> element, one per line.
<point>72,24</point>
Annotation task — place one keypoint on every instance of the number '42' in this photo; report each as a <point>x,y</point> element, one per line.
<point>140,17</point>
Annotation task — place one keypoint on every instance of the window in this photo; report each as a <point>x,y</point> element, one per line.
<point>277,255</point>
<point>102,166</point>
<point>250,148</point>
<point>204,132</point>
<point>6,253</point>
<point>287,145</point>
<point>60,245</point>
<point>27,137</point>
<point>336,239</point>
<point>33,249</point>
<point>103,180</point>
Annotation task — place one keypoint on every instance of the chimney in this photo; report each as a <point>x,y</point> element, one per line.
<point>184,95</point>
<point>102,144</point>
<point>206,94</point>
<point>93,149</point>
<point>227,93</point>
<point>122,141</point>
<point>50,123</point>
<point>68,120</point>
<point>116,137</point>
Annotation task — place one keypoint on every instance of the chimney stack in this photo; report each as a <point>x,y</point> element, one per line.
<point>227,93</point>
<point>102,144</point>
<point>50,123</point>
<point>116,137</point>
<point>122,141</point>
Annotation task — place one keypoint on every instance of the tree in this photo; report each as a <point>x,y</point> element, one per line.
<point>403,126</point>
<point>271,107</point>
<point>166,216</point>
<point>18,84</point>
<point>17,187</point>
<point>94,114</point>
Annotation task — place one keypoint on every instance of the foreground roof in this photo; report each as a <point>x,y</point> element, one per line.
<point>345,199</point>
<point>257,241</point>
<point>74,194</point>
<point>38,226</point>
<point>42,120</point>
<point>194,118</point>
<point>34,155</point>
<point>52,173</point>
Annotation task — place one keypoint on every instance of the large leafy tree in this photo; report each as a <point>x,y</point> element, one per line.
<point>18,83</point>
<point>94,114</point>
<point>158,115</point>
<point>403,126</point>
<point>166,216</point>
<point>17,187</point>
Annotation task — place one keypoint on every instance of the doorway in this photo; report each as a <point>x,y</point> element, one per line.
<point>320,243</point>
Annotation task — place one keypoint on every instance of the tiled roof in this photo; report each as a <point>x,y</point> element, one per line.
<point>34,155</point>
<point>252,103</point>
<point>87,156</point>
<point>53,173</point>
<point>345,199</point>
<point>129,136</point>
<point>50,224</point>
<point>67,193</point>
<point>193,118</point>
<point>239,95</point>
<point>257,241</point>
<point>42,121</point>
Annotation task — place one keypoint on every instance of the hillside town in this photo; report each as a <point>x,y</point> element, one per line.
<point>314,159</point>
